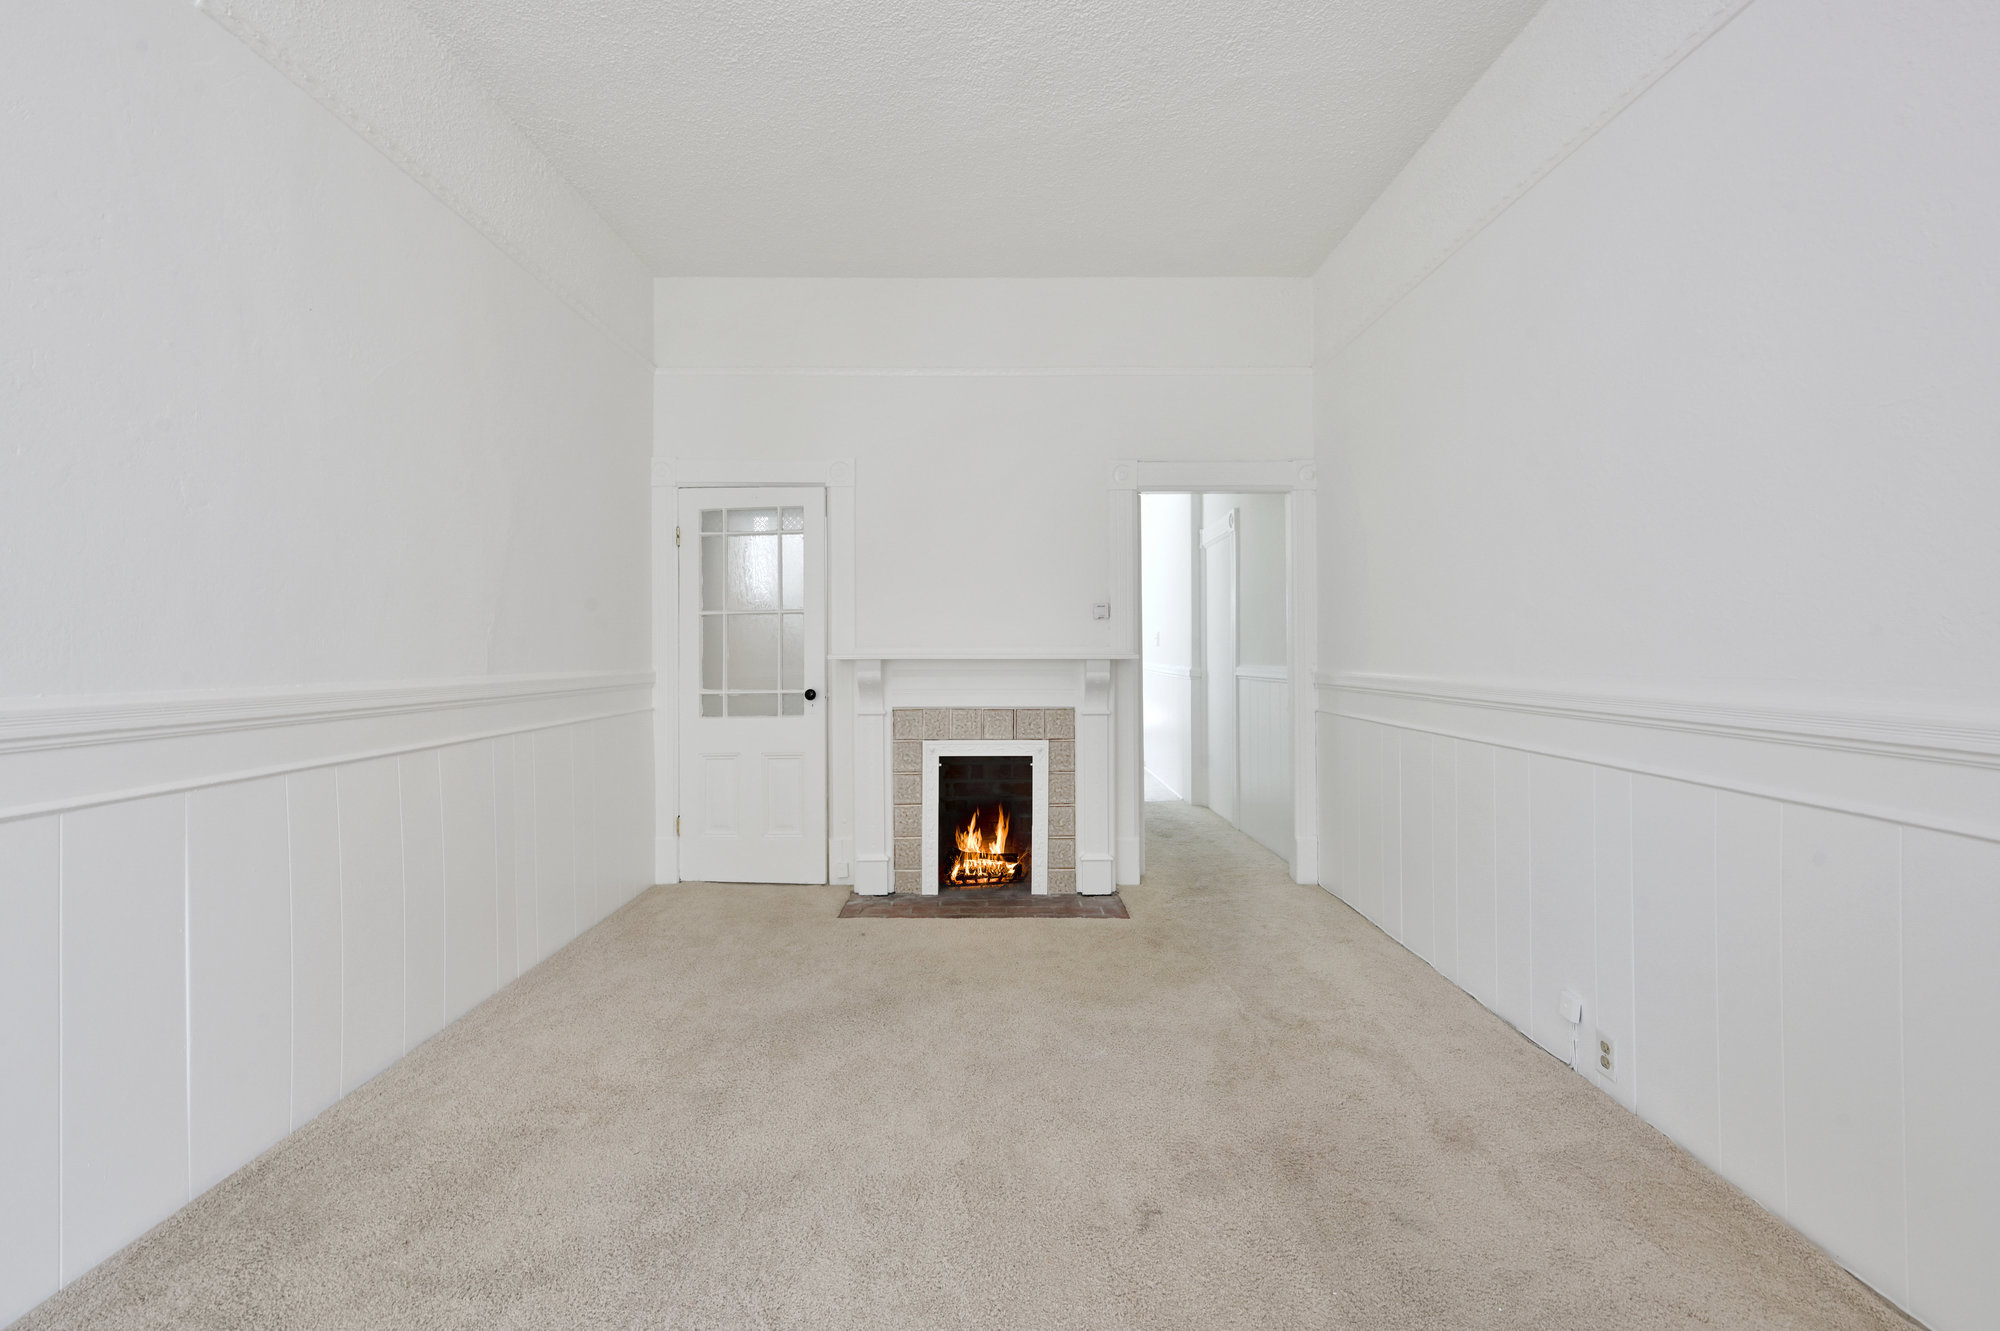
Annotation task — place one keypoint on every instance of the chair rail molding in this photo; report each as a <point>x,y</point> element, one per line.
<point>67,753</point>
<point>1934,769</point>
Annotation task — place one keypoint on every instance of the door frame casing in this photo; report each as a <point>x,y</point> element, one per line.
<point>1298,480</point>
<point>669,477</point>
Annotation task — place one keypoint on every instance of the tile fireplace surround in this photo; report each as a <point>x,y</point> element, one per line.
<point>1054,726</point>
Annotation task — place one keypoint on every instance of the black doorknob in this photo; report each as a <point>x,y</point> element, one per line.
<point>811,694</point>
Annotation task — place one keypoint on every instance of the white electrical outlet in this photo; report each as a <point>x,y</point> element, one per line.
<point>1607,1057</point>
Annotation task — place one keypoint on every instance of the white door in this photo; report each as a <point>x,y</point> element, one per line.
<point>753,685</point>
<point>1218,596</point>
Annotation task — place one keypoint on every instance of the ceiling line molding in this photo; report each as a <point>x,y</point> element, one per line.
<point>1969,739</point>
<point>122,718</point>
<point>1569,73</point>
<point>377,68</point>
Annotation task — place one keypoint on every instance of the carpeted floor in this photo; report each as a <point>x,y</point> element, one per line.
<point>1243,1107</point>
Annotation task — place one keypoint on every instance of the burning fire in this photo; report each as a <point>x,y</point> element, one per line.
<point>983,860</point>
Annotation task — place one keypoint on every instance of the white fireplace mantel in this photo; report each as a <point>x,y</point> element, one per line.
<point>883,684</point>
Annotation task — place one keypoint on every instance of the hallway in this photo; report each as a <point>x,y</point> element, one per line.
<point>725,1108</point>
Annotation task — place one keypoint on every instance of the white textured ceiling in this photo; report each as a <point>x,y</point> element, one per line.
<point>971,138</point>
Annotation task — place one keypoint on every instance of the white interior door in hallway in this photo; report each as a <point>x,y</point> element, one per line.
<point>1218,620</point>
<point>753,685</point>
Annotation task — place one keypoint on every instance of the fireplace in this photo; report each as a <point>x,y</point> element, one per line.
<point>985,821</point>
<point>958,771</point>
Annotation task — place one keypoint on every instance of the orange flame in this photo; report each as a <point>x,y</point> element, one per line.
<point>983,860</point>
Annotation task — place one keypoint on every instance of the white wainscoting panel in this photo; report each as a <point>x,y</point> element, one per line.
<point>1477,852</point>
<point>1413,769</point>
<point>471,887</point>
<point>1844,1040</point>
<point>555,837</point>
<point>313,822</point>
<point>1951,1012</point>
<point>186,977</point>
<point>506,872</point>
<point>1749,929</point>
<point>1803,996</point>
<point>239,914</point>
<point>124,1024</point>
<point>520,752</point>
<point>1444,857</point>
<point>1674,965</point>
<point>371,919</point>
<point>423,898</point>
<point>1513,875</point>
<point>1264,761</point>
<point>1612,946</point>
<point>30,1063</point>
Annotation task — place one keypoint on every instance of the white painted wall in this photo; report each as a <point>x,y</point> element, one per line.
<point>983,417</point>
<point>323,527</point>
<point>1166,584</point>
<point>1649,439</point>
<point>276,415</point>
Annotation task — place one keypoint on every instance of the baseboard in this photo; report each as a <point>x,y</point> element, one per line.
<point>1131,857</point>
<point>872,877</point>
<point>1305,860</point>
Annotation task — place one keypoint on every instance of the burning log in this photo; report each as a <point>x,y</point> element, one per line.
<point>983,860</point>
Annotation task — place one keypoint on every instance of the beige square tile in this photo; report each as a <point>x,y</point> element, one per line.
<point>909,788</point>
<point>1060,722</point>
<point>962,723</point>
<point>934,723</point>
<point>1062,852</point>
<point>910,820</point>
<point>1062,881</point>
<point>1062,757</point>
<point>909,755</point>
<point>909,854</point>
<point>909,723</point>
<point>1028,723</point>
<point>1062,787</point>
<point>996,723</point>
<point>909,882</point>
<point>1062,820</point>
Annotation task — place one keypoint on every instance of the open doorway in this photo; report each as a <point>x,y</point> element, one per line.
<point>1214,647</point>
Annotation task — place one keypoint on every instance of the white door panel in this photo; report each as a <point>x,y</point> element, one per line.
<point>752,685</point>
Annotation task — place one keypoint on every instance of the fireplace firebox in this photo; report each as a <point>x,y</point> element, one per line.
<point>985,828</point>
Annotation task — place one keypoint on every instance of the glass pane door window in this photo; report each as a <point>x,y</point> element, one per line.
<point>753,600</point>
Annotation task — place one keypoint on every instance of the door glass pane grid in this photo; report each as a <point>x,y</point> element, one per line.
<point>752,604</point>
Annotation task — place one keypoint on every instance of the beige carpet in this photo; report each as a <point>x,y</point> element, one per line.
<point>722,1108</point>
